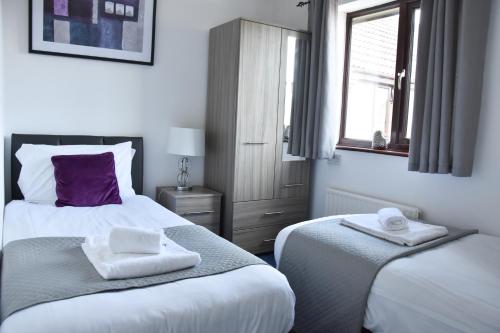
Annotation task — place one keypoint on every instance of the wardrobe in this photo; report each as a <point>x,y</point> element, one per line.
<point>250,87</point>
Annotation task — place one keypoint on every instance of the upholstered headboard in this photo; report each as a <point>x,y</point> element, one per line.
<point>56,140</point>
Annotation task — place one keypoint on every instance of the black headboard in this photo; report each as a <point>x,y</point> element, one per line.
<point>56,140</point>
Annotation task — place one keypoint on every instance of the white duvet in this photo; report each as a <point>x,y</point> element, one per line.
<point>251,299</point>
<point>449,289</point>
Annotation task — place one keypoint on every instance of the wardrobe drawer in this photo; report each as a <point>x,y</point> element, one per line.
<point>294,179</point>
<point>263,213</point>
<point>258,240</point>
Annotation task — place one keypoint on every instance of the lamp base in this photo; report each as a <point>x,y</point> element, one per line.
<point>184,188</point>
<point>183,176</point>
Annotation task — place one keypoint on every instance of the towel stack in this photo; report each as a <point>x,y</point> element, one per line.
<point>390,224</point>
<point>133,252</point>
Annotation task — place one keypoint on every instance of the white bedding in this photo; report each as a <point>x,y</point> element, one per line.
<point>453,288</point>
<point>251,299</point>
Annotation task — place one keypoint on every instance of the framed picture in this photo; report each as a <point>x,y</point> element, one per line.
<point>113,30</point>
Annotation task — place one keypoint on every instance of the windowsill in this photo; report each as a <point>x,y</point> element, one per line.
<point>374,151</point>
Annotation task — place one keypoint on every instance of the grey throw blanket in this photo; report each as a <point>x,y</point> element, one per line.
<point>331,269</point>
<point>43,270</point>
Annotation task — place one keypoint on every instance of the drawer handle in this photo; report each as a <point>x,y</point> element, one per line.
<point>254,143</point>
<point>274,213</point>
<point>293,185</point>
<point>199,213</point>
<point>272,240</point>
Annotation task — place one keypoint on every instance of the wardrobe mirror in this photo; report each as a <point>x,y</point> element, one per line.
<point>295,75</point>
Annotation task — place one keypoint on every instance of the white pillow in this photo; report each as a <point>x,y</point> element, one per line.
<point>37,181</point>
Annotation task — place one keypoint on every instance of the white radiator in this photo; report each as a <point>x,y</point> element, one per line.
<point>340,202</point>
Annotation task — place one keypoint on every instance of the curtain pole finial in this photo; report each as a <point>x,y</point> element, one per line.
<point>303,3</point>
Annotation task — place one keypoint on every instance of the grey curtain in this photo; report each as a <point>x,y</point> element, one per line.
<point>313,129</point>
<point>449,79</point>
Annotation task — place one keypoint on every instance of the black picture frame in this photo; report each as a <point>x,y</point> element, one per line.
<point>81,56</point>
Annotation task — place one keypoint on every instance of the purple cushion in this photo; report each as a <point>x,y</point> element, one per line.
<point>86,180</point>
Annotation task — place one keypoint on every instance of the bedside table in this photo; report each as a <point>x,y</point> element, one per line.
<point>200,206</point>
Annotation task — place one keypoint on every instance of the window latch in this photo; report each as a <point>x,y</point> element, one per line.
<point>401,76</point>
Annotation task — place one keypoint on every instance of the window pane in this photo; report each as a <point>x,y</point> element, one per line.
<point>372,67</point>
<point>412,67</point>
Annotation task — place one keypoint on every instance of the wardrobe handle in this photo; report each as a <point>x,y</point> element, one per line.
<point>274,213</point>
<point>254,143</point>
<point>269,240</point>
<point>293,185</point>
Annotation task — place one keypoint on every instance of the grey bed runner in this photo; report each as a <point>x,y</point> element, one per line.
<point>331,269</point>
<point>43,270</point>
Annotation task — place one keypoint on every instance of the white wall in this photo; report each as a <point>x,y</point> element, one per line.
<point>56,95</point>
<point>467,202</point>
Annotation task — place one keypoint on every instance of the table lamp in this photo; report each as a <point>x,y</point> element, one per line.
<point>185,142</point>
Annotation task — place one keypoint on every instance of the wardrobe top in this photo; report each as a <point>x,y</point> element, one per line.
<point>266,23</point>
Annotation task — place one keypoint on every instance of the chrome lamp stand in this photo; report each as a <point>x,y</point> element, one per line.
<point>183,175</point>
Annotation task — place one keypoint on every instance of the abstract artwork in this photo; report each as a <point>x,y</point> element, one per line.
<point>117,30</point>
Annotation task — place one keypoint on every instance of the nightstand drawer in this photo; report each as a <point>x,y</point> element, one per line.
<point>201,206</point>
<point>263,213</point>
<point>197,206</point>
<point>205,219</point>
<point>214,229</point>
<point>258,240</point>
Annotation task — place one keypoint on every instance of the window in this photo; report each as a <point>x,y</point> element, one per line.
<point>379,75</point>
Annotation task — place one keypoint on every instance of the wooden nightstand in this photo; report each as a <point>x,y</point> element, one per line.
<point>200,206</point>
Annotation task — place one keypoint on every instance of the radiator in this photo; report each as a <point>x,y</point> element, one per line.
<point>339,202</point>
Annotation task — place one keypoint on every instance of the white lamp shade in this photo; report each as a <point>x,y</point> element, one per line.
<point>186,142</point>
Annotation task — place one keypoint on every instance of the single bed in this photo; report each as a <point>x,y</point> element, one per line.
<point>251,299</point>
<point>452,288</point>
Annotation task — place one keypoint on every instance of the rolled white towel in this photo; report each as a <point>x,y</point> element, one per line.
<point>392,219</point>
<point>135,240</point>
<point>112,266</point>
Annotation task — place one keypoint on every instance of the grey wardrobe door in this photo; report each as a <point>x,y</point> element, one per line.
<point>260,48</point>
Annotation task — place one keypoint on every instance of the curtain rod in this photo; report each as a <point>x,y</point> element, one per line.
<point>302,3</point>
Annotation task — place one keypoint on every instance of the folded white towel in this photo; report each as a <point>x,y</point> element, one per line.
<point>417,232</point>
<point>392,219</point>
<point>135,240</point>
<point>111,266</point>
